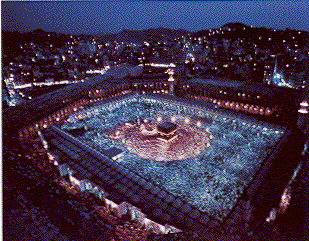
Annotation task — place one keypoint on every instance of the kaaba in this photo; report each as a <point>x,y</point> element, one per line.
<point>166,128</point>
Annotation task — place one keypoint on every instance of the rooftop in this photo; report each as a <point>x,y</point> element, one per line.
<point>113,152</point>
<point>221,83</point>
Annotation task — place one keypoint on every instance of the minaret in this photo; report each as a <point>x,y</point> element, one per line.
<point>171,80</point>
<point>275,69</point>
<point>278,79</point>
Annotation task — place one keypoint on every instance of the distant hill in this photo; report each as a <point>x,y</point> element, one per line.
<point>149,35</point>
<point>11,41</point>
<point>234,26</point>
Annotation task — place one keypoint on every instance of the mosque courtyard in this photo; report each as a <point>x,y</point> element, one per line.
<point>205,158</point>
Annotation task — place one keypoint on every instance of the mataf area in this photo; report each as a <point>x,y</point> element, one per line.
<point>207,159</point>
<point>146,141</point>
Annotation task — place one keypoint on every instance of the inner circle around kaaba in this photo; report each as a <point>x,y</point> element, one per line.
<point>165,141</point>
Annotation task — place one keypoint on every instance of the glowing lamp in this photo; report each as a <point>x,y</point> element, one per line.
<point>303,111</point>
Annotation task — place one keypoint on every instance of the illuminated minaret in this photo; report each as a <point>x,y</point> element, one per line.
<point>276,76</point>
<point>171,80</point>
<point>278,79</point>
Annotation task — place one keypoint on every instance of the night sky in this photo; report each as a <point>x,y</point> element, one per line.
<point>112,17</point>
